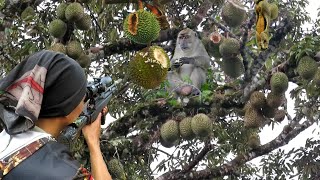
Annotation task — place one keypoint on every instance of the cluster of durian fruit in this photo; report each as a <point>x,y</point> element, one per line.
<point>116,169</point>
<point>229,50</point>
<point>260,107</point>
<point>70,13</point>
<point>188,128</point>
<point>149,66</point>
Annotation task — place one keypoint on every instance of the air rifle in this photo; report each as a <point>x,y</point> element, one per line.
<point>98,95</point>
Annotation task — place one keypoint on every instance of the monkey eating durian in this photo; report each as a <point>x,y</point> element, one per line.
<point>189,65</point>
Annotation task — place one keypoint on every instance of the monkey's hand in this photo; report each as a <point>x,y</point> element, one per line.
<point>187,60</point>
<point>176,63</point>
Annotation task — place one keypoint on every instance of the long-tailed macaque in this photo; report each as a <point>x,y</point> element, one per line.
<point>189,65</point>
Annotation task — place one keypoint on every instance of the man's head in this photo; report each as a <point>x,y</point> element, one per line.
<point>45,85</point>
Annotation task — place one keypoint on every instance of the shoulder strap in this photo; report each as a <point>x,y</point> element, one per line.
<point>16,158</point>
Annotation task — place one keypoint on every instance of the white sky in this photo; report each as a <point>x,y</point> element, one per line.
<point>267,133</point>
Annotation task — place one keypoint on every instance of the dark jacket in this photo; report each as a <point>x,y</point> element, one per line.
<point>52,161</point>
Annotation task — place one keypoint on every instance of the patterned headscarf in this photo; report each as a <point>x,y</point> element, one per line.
<point>46,84</point>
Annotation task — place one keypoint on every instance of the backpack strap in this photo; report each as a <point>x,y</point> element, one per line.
<point>16,158</point>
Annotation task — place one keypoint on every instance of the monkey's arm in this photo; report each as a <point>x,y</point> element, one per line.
<point>198,61</point>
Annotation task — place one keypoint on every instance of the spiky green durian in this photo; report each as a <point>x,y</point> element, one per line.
<point>201,125</point>
<point>84,60</point>
<point>149,67</point>
<point>274,11</point>
<point>268,111</point>
<point>142,27</point>
<point>169,131</point>
<point>280,115</point>
<point>307,67</point>
<point>265,8</point>
<point>254,141</point>
<point>275,100</point>
<point>84,23</point>
<point>233,13</point>
<point>185,128</point>
<point>60,11</point>
<point>58,47</point>
<point>257,99</point>
<point>57,28</point>
<point>316,78</point>
<point>279,82</point>
<point>74,12</point>
<point>116,169</point>
<point>232,67</point>
<point>230,47</point>
<point>27,13</point>
<point>253,118</point>
<point>74,49</point>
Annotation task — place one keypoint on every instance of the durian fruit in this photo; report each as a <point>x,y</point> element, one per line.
<point>253,118</point>
<point>232,67</point>
<point>265,8</point>
<point>74,49</point>
<point>201,125</point>
<point>169,131</point>
<point>212,48</point>
<point>116,169</point>
<point>268,111</point>
<point>230,47</point>
<point>57,28</point>
<point>149,67</point>
<point>185,128</point>
<point>257,99</point>
<point>275,100</point>
<point>84,23</point>
<point>279,82</point>
<point>142,27</point>
<point>233,13</point>
<point>74,12</point>
<point>274,11</point>
<point>307,67</point>
<point>27,13</point>
<point>84,60</point>
<point>60,11</point>
<point>280,115</point>
<point>58,47</point>
<point>254,141</point>
<point>316,78</point>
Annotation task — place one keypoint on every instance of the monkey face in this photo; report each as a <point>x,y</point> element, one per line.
<point>184,42</point>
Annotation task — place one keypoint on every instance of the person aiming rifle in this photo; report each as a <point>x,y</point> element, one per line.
<point>39,98</point>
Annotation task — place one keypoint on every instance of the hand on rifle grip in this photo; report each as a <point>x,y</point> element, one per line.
<point>103,115</point>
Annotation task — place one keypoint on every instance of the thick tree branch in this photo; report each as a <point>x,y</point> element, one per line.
<point>126,45</point>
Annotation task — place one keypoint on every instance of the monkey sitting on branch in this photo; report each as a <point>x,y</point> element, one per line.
<point>189,65</point>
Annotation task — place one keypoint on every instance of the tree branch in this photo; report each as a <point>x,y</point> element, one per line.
<point>226,169</point>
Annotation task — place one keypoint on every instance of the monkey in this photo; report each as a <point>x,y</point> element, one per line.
<point>189,65</point>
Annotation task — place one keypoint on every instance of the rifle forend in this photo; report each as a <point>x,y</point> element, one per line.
<point>98,95</point>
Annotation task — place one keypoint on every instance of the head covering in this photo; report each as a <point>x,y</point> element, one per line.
<point>46,84</point>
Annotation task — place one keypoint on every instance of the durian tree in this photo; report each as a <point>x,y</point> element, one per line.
<point>215,136</point>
